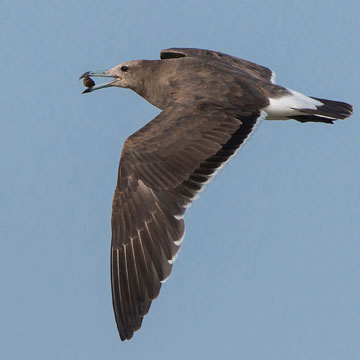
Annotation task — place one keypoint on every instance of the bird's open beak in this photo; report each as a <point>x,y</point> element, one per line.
<point>99,73</point>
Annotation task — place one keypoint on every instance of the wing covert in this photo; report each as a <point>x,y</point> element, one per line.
<point>261,72</point>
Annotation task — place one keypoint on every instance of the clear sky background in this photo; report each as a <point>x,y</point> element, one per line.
<point>269,268</point>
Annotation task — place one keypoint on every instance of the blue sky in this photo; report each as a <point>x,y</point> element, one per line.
<point>269,268</point>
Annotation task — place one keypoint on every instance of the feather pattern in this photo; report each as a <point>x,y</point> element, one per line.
<point>158,180</point>
<point>210,104</point>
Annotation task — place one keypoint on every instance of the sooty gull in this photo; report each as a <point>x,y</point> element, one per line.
<point>210,104</point>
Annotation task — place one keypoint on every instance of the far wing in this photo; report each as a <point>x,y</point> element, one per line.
<point>261,72</point>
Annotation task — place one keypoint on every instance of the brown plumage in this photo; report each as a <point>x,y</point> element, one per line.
<point>210,104</point>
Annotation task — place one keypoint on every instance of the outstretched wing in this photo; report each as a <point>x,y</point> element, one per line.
<point>163,167</point>
<point>260,72</point>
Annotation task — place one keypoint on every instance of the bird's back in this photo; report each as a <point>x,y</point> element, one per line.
<point>195,80</point>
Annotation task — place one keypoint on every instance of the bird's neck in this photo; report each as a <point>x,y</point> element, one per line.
<point>154,86</point>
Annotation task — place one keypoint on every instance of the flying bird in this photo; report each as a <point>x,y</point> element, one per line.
<point>210,104</point>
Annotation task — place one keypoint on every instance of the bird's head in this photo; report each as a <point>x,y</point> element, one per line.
<point>125,75</point>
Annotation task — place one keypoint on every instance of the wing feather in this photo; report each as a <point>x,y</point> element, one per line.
<point>162,169</point>
<point>261,72</point>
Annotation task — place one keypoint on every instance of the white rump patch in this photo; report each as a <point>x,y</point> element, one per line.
<point>289,105</point>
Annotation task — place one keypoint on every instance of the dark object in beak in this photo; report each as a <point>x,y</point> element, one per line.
<point>90,84</point>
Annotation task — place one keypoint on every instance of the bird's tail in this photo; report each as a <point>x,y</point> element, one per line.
<point>294,105</point>
<point>327,112</point>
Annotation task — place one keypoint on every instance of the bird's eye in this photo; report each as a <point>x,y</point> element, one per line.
<point>124,68</point>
